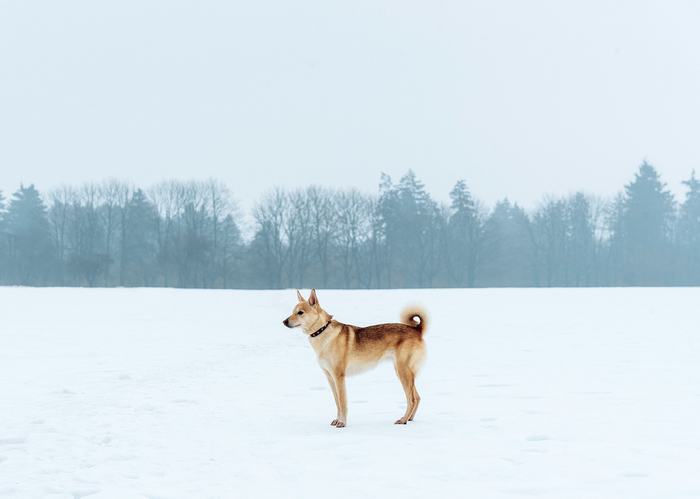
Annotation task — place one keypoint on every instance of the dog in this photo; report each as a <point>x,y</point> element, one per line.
<point>344,350</point>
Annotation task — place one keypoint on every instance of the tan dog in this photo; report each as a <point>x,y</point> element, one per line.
<point>343,350</point>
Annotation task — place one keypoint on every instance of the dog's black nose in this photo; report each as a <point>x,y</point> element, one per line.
<point>286,322</point>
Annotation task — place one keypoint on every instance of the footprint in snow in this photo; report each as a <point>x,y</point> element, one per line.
<point>488,426</point>
<point>512,460</point>
<point>537,438</point>
<point>78,494</point>
<point>15,440</point>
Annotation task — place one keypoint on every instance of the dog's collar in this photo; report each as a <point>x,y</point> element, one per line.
<point>313,335</point>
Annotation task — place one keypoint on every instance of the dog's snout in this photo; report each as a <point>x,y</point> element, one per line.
<point>286,322</point>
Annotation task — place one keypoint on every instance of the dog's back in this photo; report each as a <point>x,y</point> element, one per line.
<point>382,337</point>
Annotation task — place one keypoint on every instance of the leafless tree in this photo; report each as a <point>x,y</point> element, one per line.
<point>270,245</point>
<point>60,201</point>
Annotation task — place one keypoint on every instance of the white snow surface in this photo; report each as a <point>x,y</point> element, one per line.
<point>164,393</point>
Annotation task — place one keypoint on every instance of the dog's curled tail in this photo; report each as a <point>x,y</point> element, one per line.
<point>409,315</point>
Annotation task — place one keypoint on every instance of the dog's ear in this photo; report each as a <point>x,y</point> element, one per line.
<point>301,298</point>
<point>313,301</point>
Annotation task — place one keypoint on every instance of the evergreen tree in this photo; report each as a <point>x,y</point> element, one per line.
<point>29,238</point>
<point>412,225</point>
<point>466,231</point>
<point>230,250</point>
<point>3,245</point>
<point>508,251</point>
<point>689,232</point>
<point>141,244</point>
<point>647,224</point>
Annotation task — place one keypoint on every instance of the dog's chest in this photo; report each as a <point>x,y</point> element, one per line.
<point>325,360</point>
<point>324,364</point>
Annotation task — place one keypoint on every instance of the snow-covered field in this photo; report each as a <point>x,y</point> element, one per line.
<point>163,393</point>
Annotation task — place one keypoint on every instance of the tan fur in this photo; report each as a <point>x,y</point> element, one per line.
<point>344,350</point>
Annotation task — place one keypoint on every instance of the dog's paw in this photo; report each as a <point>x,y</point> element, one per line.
<point>401,421</point>
<point>334,422</point>
<point>340,424</point>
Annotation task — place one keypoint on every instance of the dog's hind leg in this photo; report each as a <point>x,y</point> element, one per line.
<point>331,382</point>
<point>416,401</point>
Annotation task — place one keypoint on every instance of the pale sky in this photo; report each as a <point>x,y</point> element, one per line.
<point>519,99</point>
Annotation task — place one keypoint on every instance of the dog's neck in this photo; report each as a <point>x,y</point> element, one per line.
<point>323,328</point>
<point>320,324</point>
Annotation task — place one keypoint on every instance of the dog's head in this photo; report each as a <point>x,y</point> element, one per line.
<point>306,313</point>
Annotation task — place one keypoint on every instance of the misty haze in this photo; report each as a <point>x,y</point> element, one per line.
<point>523,176</point>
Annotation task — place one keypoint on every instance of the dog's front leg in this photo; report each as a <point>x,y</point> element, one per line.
<point>339,378</point>
<point>331,382</point>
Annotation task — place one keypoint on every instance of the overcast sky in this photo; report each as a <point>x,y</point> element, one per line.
<point>520,99</point>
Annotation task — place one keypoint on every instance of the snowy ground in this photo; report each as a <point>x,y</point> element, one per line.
<point>162,393</point>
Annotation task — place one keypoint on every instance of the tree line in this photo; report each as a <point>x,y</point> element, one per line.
<point>188,234</point>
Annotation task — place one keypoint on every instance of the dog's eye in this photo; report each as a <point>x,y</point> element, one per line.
<point>300,312</point>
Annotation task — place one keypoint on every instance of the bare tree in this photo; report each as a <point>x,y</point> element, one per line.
<point>353,230</point>
<point>109,202</point>
<point>270,247</point>
<point>60,201</point>
<point>123,192</point>
<point>323,226</point>
<point>298,231</point>
<point>196,244</point>
<point>167,198</point>
<point>221,207</point>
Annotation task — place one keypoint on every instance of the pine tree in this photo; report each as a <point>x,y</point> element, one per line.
<point>581,218</point>
<point>3,245</point>
<point>230,250</point>
<point>466,230</point>
<point>507,247</point>
<point>141,243</point>
<point>647,223</point>
<point>689,231</point>
<point>648,209</point>
<point>412,224</point>
<point>29,238</point>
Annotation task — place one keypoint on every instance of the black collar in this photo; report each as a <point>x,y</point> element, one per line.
<point>313,335</point>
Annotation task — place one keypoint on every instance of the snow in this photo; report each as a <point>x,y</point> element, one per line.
<point>163,393</point>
